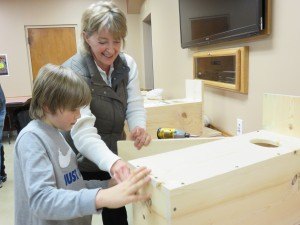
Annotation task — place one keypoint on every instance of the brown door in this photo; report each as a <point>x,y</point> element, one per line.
<point>50,45</point>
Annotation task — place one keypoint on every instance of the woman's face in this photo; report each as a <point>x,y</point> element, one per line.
<point>104,48</point>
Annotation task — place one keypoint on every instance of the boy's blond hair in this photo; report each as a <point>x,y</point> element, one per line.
<point>103,15</point>
<point>57,88</point>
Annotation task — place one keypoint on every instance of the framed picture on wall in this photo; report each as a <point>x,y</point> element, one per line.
<point>3,65</point>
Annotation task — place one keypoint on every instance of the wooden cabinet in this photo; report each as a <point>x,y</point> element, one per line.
<point>183,114</point>
<point>225,68</point>
<point>251,179</point>
<point>231,181</point>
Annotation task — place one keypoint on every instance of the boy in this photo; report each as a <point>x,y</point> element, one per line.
<point>49,187</point>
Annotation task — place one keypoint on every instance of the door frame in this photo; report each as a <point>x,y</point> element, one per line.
<point>26,27</point>
<point>148,53</point>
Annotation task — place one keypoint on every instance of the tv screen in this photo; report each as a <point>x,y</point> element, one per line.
<point>204,22</point>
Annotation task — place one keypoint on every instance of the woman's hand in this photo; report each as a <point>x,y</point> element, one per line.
<point>140,137</point>
<point>125,192</point>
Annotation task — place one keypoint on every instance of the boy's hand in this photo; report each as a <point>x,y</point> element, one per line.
<point>125,192</point>
<point>140,137</point>
<point>112,182</point>
<point>120,171</point>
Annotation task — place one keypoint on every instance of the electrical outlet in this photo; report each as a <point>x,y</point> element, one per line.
<point>239,126</point>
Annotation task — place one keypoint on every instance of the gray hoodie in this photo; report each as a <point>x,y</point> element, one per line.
<point>49,188</point>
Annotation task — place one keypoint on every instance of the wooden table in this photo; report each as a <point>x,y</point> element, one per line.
<point>17,101</point>
<point>13,106</point>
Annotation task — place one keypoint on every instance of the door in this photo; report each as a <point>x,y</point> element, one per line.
<point>50,45</point>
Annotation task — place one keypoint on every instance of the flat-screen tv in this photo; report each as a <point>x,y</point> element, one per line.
<point>205,22</point>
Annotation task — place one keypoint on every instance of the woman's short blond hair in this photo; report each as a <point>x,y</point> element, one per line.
<point>103,15</point>
<point>57,88</point>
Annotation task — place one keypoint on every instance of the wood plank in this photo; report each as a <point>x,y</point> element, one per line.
<point>183,114</point>
<point>209,183</point>
<point>224,154</point>
<point>209,132</point>
<point>278,205</point>
<point>179,114</point>
<point>234,185</point>
<point>127,151</point>
<point>281,114</point>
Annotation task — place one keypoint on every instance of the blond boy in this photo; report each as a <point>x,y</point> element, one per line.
<point>49,188</point>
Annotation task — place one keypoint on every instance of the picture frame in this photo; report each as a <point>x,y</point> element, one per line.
<point>4,71</point>
<point>224,68</point>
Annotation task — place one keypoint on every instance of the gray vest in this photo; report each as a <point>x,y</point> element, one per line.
<point>108,104</point>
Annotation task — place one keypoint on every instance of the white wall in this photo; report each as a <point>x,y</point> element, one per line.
<point>273,61</point>
<point>273,64</point>
<point>171,64</point>
<point>16,14</point>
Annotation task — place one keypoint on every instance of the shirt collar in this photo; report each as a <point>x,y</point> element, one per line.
<point>105,77</point>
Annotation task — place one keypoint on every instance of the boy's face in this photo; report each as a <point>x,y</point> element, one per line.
<point>63,119</point>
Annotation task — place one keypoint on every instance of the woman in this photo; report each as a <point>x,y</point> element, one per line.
<point>113,80</point>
